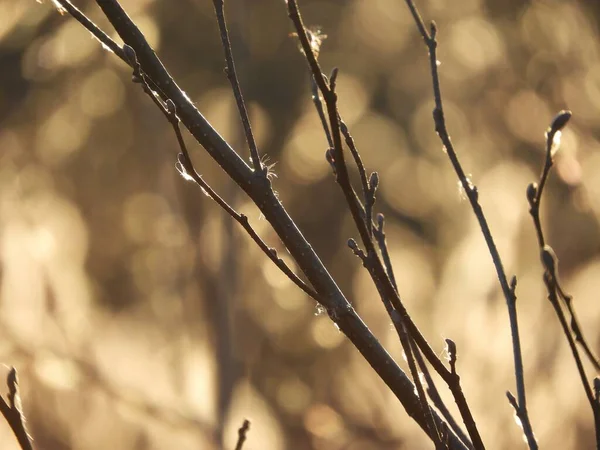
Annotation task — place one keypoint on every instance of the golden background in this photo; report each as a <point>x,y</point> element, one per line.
<point>139,316</point>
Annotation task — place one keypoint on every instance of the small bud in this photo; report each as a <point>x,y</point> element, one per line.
<point>451,351</point>
<point>549,259</point>
<point>433,29</point>
<point>333,77</point>
<point>380,221</point>
<point>330,159</point>
<point>329,156</point>
<point>560,120</point>
<point>352,244</point>
<point>532,190</point>
<point>130,55</point>
<point>513,283</point>
<point>12,381</point>
<point>374,181</point>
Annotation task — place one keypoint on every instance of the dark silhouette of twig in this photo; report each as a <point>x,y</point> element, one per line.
<point>242,432</point>
<point>13,412</point>
<point>430,39</point>
<point>235,86</point>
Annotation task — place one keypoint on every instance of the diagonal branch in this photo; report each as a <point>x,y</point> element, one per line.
<point>13,413</point>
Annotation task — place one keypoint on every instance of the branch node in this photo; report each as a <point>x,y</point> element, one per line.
<point>356,250</point>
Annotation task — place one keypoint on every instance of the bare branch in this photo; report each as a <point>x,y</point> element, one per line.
<point>573,332</point>
<point>13,412</point>
<point>242,432</point>
<point>430,39</point>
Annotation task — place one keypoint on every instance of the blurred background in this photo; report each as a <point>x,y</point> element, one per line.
<point>140,316</point>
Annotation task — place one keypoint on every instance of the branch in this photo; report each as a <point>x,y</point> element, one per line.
<point>259,189</point>
<point>363,221</point>
<point>13,412</point>
<point>471,191</point>
<point>556,293</point>
<point>235,86</point>
<point>242,432</point>
<point>534,196</point>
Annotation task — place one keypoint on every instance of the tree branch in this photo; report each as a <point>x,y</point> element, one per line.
<point>259,189</point>
<point>13,413</point>
<point>430,39</point>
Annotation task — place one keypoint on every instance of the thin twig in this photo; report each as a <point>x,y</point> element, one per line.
<point>242,432</point>
<point>556,293</point>
<point>367,188</point>
<point>104,39</point>
<point>550,263</point>
<point>13,412</point>
<point>534,195</point>
<point>471,191</point>
<point>379,234</point>
<point>316,97</point>
<point>235,86</point>
<point>437,401</point>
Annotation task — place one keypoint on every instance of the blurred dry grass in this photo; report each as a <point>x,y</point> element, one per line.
<point>139,317</point>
